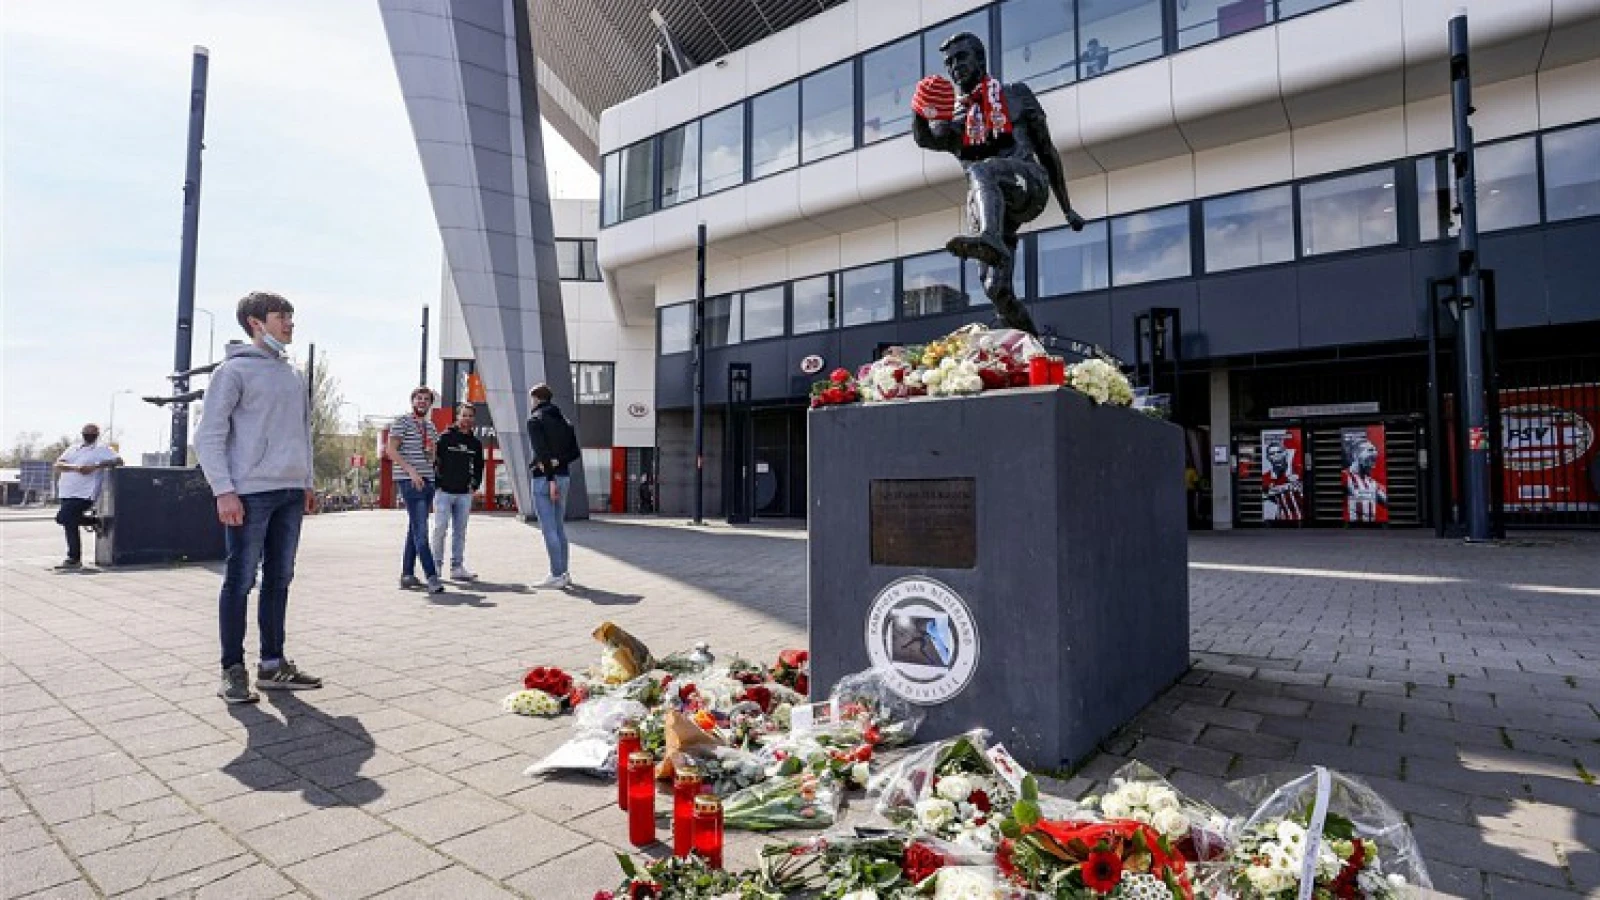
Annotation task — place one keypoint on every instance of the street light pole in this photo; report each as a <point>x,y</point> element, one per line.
<point>179,450</point>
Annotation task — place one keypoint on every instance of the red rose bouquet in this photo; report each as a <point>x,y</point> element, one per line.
<point>838,390</point>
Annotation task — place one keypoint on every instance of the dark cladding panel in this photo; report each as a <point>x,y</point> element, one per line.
<point>1573,273</point>
<point>1362,299</point>
<point>1251,312</point>
<point>1083,317</point>
<point>1519,267</point>
<point>674,381</point>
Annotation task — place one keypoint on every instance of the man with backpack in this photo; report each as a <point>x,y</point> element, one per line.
<point>555,448</point>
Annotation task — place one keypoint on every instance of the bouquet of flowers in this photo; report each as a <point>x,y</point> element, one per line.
<point>1137,792</point>
<point>531,703</point>
<point>789,801</point>
<point>1328,828</point>
<point>866,866</point>
<point>1101,381</point>
<point>550,680</point>
<point>839,389</point>
<point>888,378</point>
<point>793,671</point>
<point>685,878</point>
<point>865,705</point>
<point>952,378</point>
<point>950,790</point>
<point>1069,860</point>
<point>819,754</point>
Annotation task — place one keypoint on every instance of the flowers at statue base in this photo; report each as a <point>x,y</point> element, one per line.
<point>549,679</point>
<point>951,792</point>
<point>838,390</point>
<point>1269,859</point>
<point>680,878</point>
<point>1155,805</point>
<point>876,866</point>
<point>1119,858</point>
<point>531,703</point>
<point>793,670</point>
<point>1101,381</point>
<point>789,801</point>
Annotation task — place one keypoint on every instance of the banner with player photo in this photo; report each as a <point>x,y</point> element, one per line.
<point>1365,475</point>
<point>1283,492</point>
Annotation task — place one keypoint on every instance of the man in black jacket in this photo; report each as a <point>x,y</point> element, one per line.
<point>555,447</point>
<point>459,466</point>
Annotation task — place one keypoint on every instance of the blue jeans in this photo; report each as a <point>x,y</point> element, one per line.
<point>552,520</point>
<point>450,513</point>
<point>418,502</point>
<point>267,540</point>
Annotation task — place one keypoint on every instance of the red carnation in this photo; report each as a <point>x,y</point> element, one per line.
<point>760,695</point>
<point>535,678</point>
<point>921,861</point>
<point>833,395</point>
<point>686,692</point>
<point>980,800</point>
<point>1003,860</point>
<point>1102,871</point>
<point>802,684</point>
<point>839,376</point>
<point>794,659</point>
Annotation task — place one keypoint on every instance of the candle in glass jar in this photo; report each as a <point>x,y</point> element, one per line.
<point>1058,370</point>
<point>1038,371</point>
<point>685,787</point>
<point>641,799</point>
<point>708,829</point>
<point>627,745</point>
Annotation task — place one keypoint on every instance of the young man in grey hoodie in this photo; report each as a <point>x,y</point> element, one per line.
<point>254,444</point>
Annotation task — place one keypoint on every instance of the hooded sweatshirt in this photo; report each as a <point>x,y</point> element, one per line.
<point>255,434</point>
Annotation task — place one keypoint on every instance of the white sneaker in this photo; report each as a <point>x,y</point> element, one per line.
<point>460,573</point>
<point>555,581</point>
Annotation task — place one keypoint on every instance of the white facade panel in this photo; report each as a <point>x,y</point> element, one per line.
<point>1243,165</point>
<point>1569,94</point>
<point>1152,184</point>
<point>1348,143</point>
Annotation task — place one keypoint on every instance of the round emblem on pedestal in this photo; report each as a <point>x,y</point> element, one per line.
<point>811,365</point>
<point>638,410</point>
<point>922,636</point>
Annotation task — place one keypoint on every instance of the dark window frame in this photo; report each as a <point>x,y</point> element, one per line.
<point>1395,168</point>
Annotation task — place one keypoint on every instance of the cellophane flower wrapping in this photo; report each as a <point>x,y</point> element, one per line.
<point>948,789</point>
<point>862,864</point>
<point>975,883</point>
<point>1196,829</point>
<point>888,378</point>
<point>1365,852</point>
<point>1101,382</point>
<point>723,770</point>
<point>805,800</point>
<point>592,750</point>
<point>865,703</point>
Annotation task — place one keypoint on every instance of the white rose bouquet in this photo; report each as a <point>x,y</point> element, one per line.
<point>1101,381</point>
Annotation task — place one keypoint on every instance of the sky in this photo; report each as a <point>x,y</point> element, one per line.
<point>311,188</point>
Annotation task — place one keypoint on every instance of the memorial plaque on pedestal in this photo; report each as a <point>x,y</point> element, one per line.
<point>1015,560</point>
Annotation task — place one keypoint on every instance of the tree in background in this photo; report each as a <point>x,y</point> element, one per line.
<point>27,446</point>
<point>329,447</point>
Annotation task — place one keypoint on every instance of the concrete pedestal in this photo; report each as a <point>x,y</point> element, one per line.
<point>157,515</point>
<point>1015,560</point>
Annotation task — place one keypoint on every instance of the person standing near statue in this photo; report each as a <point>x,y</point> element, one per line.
<point>82,471</point>
<point>999,133</point>
<point>413,440</point>
<point>460,470</point>
<point>555,448</point>
<point>254,446</point>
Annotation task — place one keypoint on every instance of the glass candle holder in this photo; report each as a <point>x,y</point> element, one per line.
<point>627,746</point>
<point>708,829</point>
<point>641,799</point>
<point>685,787</point>
<point>1058,370</point>
<point>1038,371</point>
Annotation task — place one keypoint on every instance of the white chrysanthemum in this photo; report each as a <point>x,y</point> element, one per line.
<point>1291,834</point>
<point>960,883</point>
<point>1170,822</point>
<point>531,703</point>
<point>1142,886</point>
<point>955,788</point>
<point>934,812</point>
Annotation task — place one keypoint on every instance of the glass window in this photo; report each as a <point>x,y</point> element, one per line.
<point>1073,261</point>
<point>596,477</point>
<point>722,149</point>
<point>1347,212</point>
<point>828,112</point>
<point>638,179</point>
<point>1508,190</point>
<point>763,313</point>
<point>569,260</point>
<point>722,321</point>
<point>1040,43</point>
<point>1117,33</point>
<point>1149,246</point>
<point>1254,229</point>
<point>1019,276</point>
<point>933,58</point>
<point>611,185</point>
<point>591,260</point>
<point>1200,21</point>
<point>1572,173</point>
<point>680,164</point>
<point>677,328</point>
<point>930,284</point>
<point>868,294</point>
<point>813,304</point>
<point>888,77</point>
<point>775,131</point>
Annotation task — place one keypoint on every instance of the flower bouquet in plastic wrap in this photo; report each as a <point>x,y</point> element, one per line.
<point>803,800</point>
<point>949,789</point>
<point>890,377</point>
<point>1325,831</point>
<point>864,705</point>
<point>592,749</point>
<point>1196,830</point>
<point>1072,859</point>
<point>1101,381</point>
<point>682,878</point>
<point>867,865</point>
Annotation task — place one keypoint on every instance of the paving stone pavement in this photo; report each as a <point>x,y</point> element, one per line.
<point>1462,682</point>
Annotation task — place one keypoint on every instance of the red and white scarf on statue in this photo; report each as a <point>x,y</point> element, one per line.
<point>988,118</point>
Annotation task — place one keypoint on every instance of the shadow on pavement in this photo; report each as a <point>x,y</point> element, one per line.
<point>294,742</point>
<point>460,598</point>
<point>492,587</point>
<point>602,598</point>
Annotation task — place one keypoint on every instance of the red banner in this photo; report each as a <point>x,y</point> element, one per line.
<point>1365,475</point>
<point>1283,492</point>
<point>1550,448</point>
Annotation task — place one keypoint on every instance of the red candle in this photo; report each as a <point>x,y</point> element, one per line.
<point>641,799</point>
<point>1038,371</point>
<point>1058,370</point>
<point>708,829</point>
<point>627,746</point>
<point>685,787</point>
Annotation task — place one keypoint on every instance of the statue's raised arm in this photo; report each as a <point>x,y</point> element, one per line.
<point>1000,135</point>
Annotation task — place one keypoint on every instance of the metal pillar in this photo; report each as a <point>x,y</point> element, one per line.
<point>700,375</point>
<point>178,449</point>
<point>1469,291</point>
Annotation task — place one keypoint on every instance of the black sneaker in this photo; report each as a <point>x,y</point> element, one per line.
<point>236,685</point>
<point>286,677</point>
<point>435,586</point>
<point>409,582</point>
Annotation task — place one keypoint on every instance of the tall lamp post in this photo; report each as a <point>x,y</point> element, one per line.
<point>111,419</point>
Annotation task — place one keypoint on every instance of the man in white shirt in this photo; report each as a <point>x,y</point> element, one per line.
<point>82,471</point>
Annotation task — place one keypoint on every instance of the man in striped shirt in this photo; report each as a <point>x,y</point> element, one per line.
<point>412,442</point>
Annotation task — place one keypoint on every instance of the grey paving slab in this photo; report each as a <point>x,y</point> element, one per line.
<point>1453,678</point>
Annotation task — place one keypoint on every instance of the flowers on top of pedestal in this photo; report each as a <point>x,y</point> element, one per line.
<point>838,390</point>
<point>1101,381</point>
